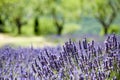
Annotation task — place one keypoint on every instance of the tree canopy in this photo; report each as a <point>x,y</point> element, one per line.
<point>105,11</point>
<point>19,12</point>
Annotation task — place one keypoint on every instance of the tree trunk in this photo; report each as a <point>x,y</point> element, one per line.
<point>105,29</point>
<point>104,25</point>
<point>58,25</point>
<point>19,25</point>
<point>1,25</point>
<point>59,29</point>
<point>1,22</point>
<point>36,26</point>
<point>19,29</point>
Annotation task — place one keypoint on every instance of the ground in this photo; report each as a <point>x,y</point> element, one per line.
<point>42,41</point>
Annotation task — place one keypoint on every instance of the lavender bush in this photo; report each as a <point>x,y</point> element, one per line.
<point>74,61</point>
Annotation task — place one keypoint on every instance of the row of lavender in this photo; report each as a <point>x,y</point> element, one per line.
<point>74,61</point>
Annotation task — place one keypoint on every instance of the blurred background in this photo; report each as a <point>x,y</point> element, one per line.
<point>52,22</point>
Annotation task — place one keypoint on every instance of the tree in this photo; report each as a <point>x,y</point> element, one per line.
<point>19,24</point>
<point>18,14</point>
<point>105,11</point>
<point>5,9</point>
<point>1,24</point>
<point>38,11</point>
<point>36,26</point>
<point>58,24</point>
<point>62,12</point>
<point>13,11</point>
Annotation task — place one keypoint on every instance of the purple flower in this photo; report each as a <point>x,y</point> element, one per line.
<point>85,43</point>
<point>73,61</point>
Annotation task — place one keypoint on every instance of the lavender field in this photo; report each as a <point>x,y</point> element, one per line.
<point>82,60</point>
<point>59,39</point>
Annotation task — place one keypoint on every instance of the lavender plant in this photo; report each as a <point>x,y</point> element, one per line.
<point>73,61</point>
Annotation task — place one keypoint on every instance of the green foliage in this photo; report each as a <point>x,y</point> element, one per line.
<point>114,29</point>
<point>104,11</point>
<point>47,26</point>
<point>71,12</point>
<point>70,28</point>
<point>100,8</point>
<point>54,13</point>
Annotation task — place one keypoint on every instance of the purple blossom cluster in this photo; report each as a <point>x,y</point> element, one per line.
<point>74,61</point>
